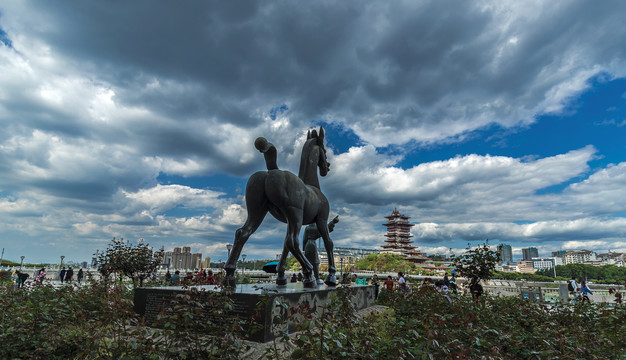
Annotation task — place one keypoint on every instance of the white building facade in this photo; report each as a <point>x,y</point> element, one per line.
<point>579,257</point>
<point>546,263</point>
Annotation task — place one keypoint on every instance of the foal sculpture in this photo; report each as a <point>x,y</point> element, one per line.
<point>295,200</point>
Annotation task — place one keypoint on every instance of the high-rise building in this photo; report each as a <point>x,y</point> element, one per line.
<point>530,253</point>
<point>206,263</point>
<point>184,259</point>
<point>506,254</point>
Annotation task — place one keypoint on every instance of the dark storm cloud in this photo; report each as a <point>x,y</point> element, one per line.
<point>441,68</point>
<point>273,50</point>
<point>98,98</point>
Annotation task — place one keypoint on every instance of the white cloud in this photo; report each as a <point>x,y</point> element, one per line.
<point>92,112</point>
<point>161,198</point>
<point>465,186</point>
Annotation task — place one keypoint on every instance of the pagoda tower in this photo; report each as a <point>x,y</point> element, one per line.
<point>398,237</point>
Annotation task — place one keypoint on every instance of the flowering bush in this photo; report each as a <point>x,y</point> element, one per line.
<point>507,327</point>
<point>96,321</point>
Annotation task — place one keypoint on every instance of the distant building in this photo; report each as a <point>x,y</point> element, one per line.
<point>506,268</point>
<point>417,257</point>
<point>546,263</point>
<point>612,258</point>
<point>525,266</point>
<point>560,253</point>
<point>529,253</point>
<point>399,239</point>
<point>184,259</point>
<point>206,263</point>
<point>579,257</point>
<point>506,254</point>
<point>350,255</point>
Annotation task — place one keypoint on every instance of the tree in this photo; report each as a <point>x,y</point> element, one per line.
<point>136,262</point>
<point>606,273</point>
<point>385,262</point>
<point>478,263</point>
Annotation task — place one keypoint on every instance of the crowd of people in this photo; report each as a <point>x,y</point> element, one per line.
<point>65,276</point>
<point>578,292</point>
<point>201,277</point>
<point>445,286</point>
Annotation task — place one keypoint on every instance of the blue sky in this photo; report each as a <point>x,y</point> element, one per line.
<point>497,119</point>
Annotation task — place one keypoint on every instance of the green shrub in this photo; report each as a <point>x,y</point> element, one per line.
<point>96,321</point>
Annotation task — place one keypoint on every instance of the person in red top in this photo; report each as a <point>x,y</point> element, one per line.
<point>210,279</point>
<point>389,283</point>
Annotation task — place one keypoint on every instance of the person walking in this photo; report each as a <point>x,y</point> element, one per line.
<point>453,282</point>
<point>572,287</point>
<point>21,278</point>
<point>80,275</point>
<point>376,284</point>
<point>69,275</point>
<point>41,275</point>
<point>585,291</point>
<point>389,284</point>
<point>210,279</point>
<point>175,278</point>
<point>62,275</point>
<point>402,287</point>
<point>476,289</point>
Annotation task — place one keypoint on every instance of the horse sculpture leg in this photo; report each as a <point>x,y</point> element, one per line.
<point>257,209</point>
<point>322,226</point>
<point>281,279</point>
<point>241,236</point>
<point>294,224</point>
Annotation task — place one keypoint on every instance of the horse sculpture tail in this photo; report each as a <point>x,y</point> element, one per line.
<point>269,152</point>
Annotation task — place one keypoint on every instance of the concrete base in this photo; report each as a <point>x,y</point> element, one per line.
<point>149,302</point>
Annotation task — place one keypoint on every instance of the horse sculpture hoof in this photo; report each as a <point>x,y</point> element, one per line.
<point>230,281</point>
<point>331,280</point>
<point>320,282</point>
<point>281,280</point>
<point>311,283</point>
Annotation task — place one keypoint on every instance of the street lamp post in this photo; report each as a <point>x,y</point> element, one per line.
<point>21,262</point>
<point>243,267</point>
<point>229,247</point>
<point>341,267</point>
<point>61,266</point>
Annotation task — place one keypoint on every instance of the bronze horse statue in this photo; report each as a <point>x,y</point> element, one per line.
<point>295,200</point>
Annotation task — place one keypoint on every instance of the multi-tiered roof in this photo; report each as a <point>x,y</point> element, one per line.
<point>398,238</point>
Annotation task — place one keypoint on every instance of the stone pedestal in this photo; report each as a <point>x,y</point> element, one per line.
<point>563,293</point>
<point>150,301</point>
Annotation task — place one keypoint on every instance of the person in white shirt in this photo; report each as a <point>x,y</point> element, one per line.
<point>573,287</point>
<point>402,283</point>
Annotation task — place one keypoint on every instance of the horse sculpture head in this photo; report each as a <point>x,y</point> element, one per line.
<point>317,140</point>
